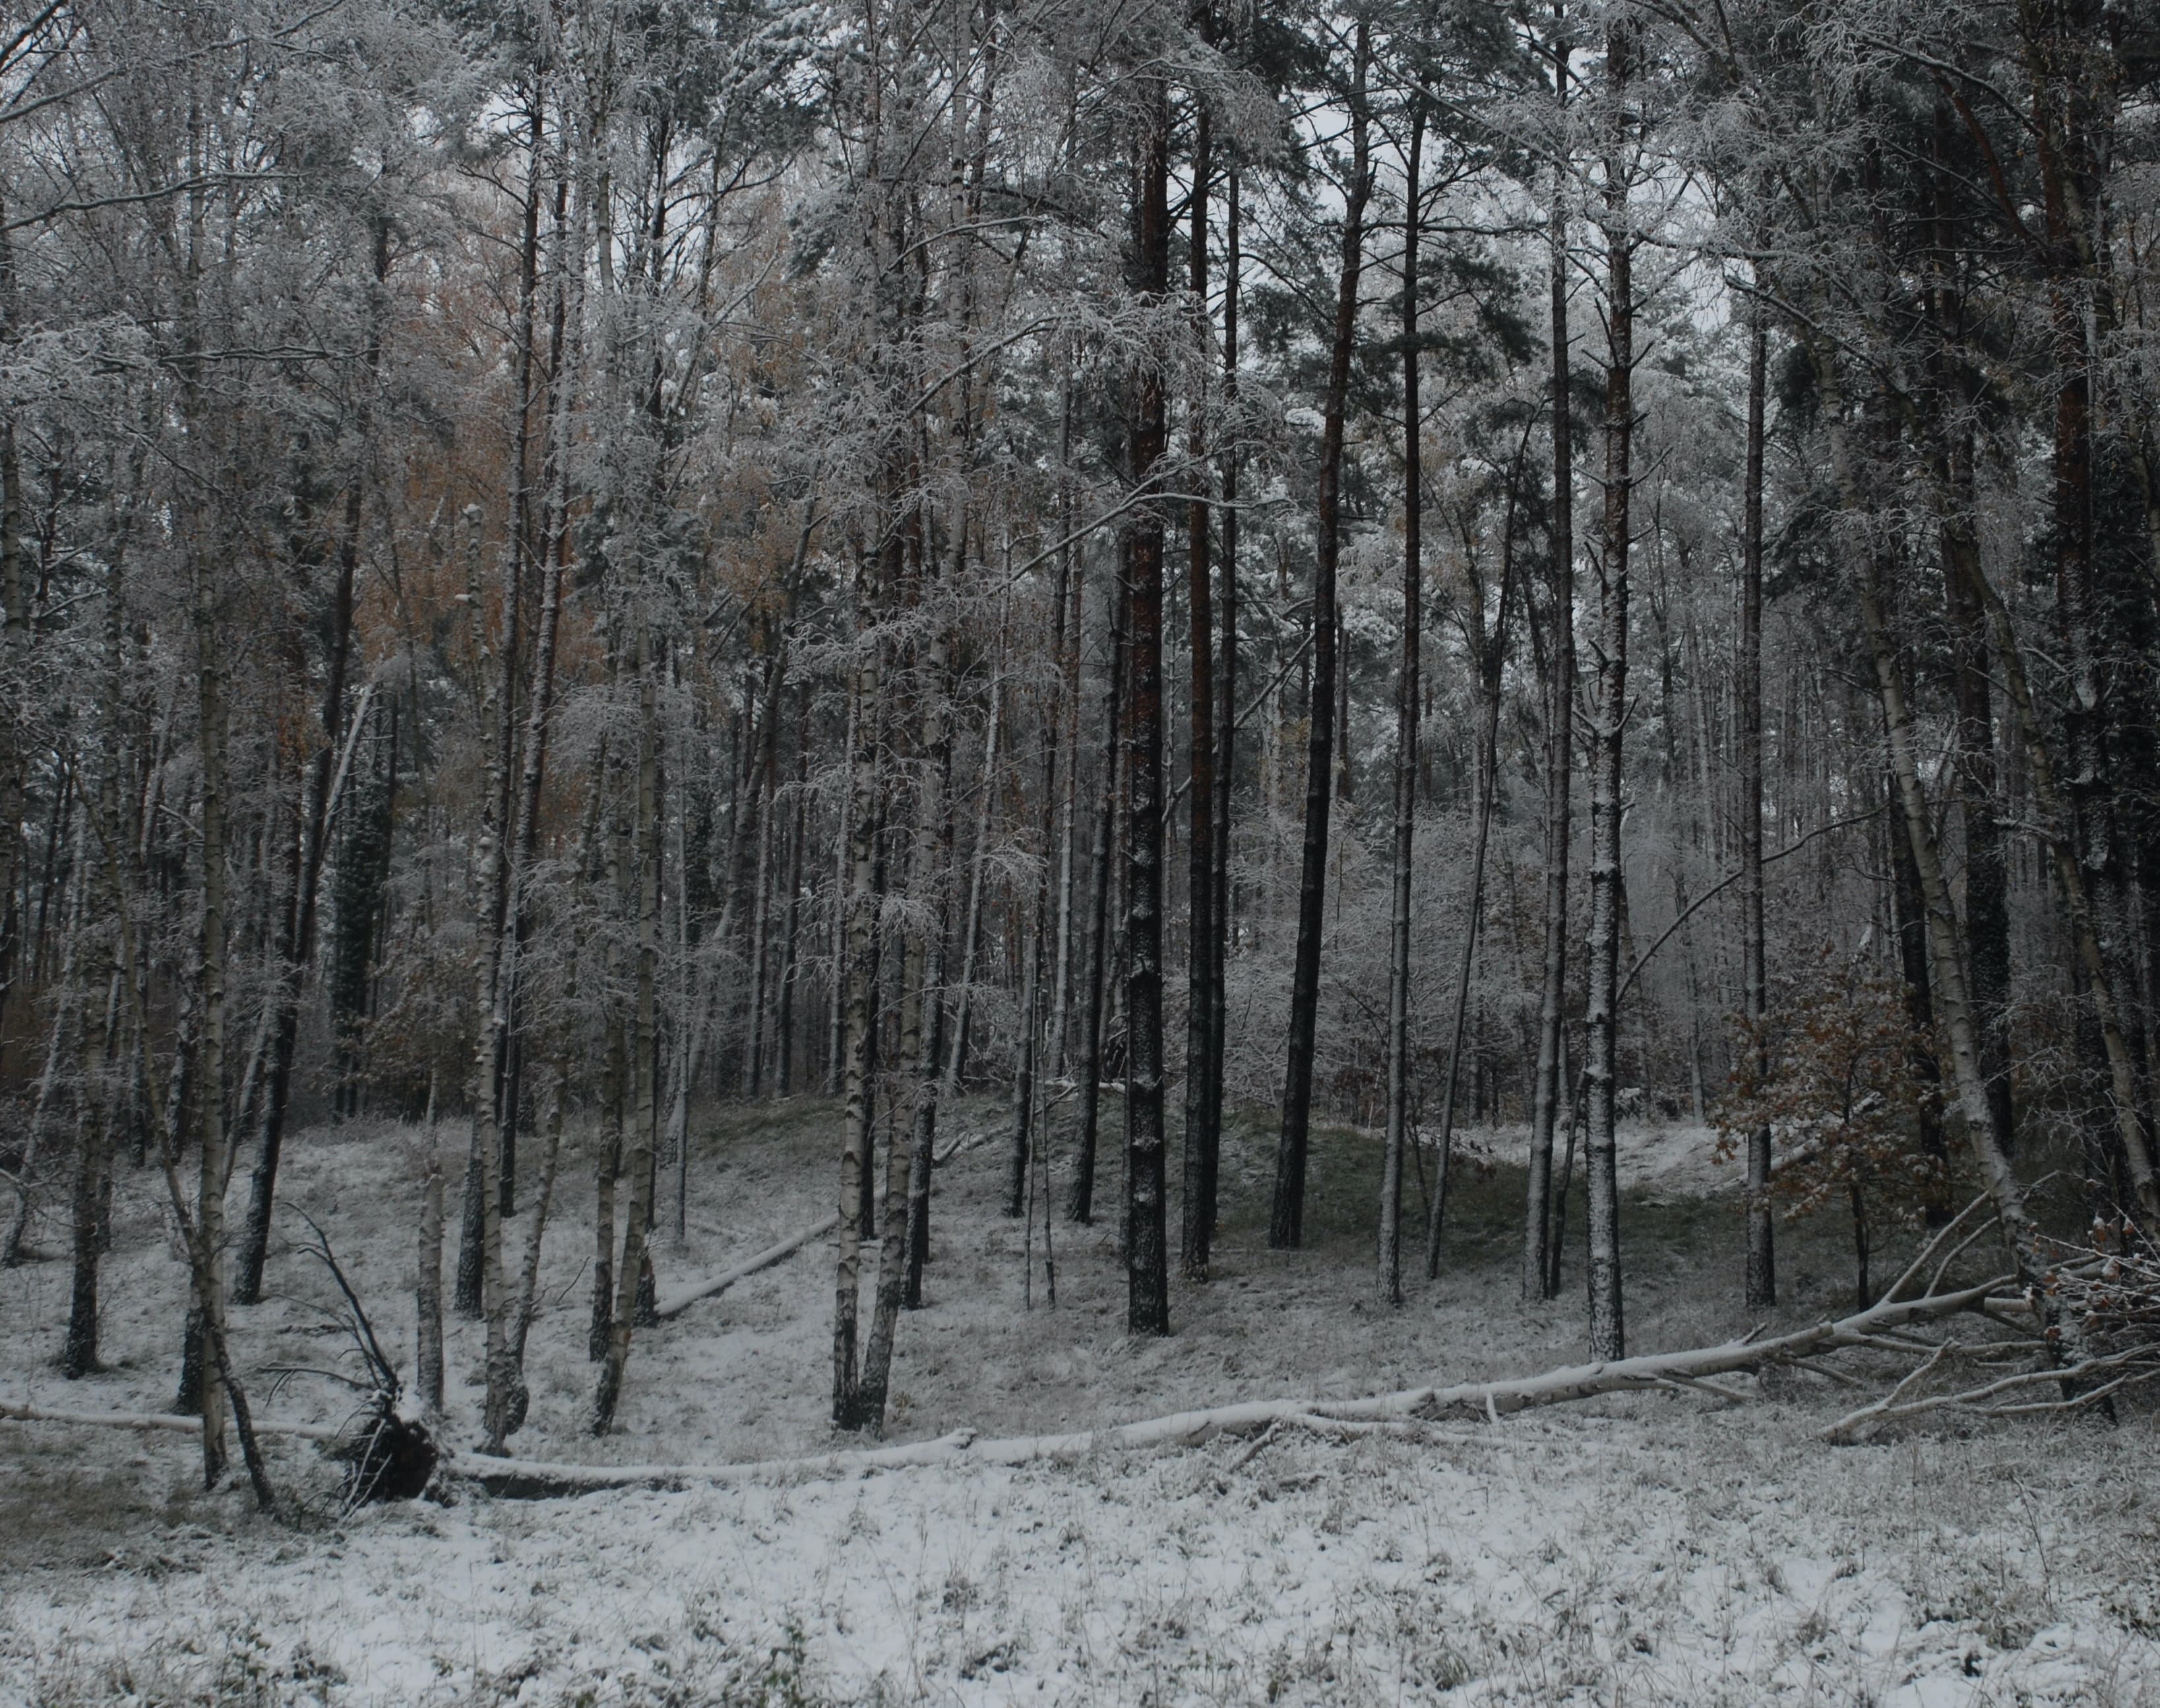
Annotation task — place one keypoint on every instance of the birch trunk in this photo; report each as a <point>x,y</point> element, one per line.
<point>528,1282</point>
<point>858,968</point>
<point>639,1158</point>
<point>1607,1326</point>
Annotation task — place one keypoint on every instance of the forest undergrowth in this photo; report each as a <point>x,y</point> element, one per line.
<point>1657,1547</point>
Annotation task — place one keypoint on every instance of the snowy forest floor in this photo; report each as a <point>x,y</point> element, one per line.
<point>1633,1548</point>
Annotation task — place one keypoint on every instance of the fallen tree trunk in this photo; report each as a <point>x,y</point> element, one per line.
<point>1492,1400</point>
<point>681,1301</point>
<point>1695,1371</point>
<point>17,1411</point>
<point>765,1259</point>
<point>1692,1370</point>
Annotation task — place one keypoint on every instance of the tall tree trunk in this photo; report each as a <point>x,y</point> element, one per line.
<point>859,968</point>
<point>1226,689</point>
<point>2071,126</point>
<point>933,863</point>
<point>206,1335</point>
<point>14,662</point>
<point>836,1049</point>
<point>1608,1326</point>
<point>15,638</point>
<point>1059,1061</point>
<point>607,1169</point>
<point>640,1155</point>
<point>1287,1221</point>
<point>298,948</point>
<point>99,1098</point>
<point>209,1299</point>
<point>1549,1086</point>
<point>906,1218</point>
<point>768,786</point>
<point>1407,702</point>
<point>428,1285</point>
<point>1147,1277</point>
<point>503,947</point>
<point>1761,1272</point>
<point>528,1279</point>
<point>79,1346</point>
<point>1080,1204</point>
<point>1202,1137</point>
<point>2059,832</point>
<point>971,928</point>
<point>1030,1044</point>
<point>1986,874</point>
<point>1951,993</point>
<point>783,1026</point>
<point>497,672</point>
<point>1492,654</point>
<point>1987,917</point>
<point>1909,917</point>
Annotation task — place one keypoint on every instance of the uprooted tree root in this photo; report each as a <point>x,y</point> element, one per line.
<point>386,1457</point>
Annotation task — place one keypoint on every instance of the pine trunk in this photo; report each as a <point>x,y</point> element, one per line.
<point>1080,1204</point>
<point>1548,1086</point>
<point>1407,702</point>
<point>209,1103</point>
<point>428,1286</point>
<point>1203,1136</point>
<point>1287,1221</point>
<point>971,929</point>
<point>933,861</point>
<point>1147,1278</point>
<point>1761,1272</point>
<point>1226,688</point>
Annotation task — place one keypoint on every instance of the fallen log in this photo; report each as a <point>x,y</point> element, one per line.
<point>1491,1400</point>
<point>1875,1328</point>
<point>680,1302</point>
<point>22,1411</point>
<point>677,1304</point>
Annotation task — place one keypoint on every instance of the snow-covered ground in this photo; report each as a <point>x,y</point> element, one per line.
<point>1640,1549</point>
